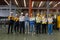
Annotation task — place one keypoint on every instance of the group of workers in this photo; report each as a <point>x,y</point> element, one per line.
<point>31,24</point>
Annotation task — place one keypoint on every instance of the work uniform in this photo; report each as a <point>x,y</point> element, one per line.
<point>38,24</point>
<point>26,24</point>
<point>16,27</point>
<point>22,24</point>
<point>50,25</point>
<point>32,24</point>
<point>11,23</point>
<point>44,23</point>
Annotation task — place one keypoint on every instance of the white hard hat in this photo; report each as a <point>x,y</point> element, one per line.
<point>16,14</point>
<point>11,12</point>
<point>26,13</point>
<point>21,12</point>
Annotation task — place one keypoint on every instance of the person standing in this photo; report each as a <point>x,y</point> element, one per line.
<point>50,25</point>
<point>26,23</point>
<point>16,24</point>
<point>58,22</point>
<point>38,23</point>
<point>22,23</point>
<point>32,24</point>
<point>11,22</point>
<point>44,23</point>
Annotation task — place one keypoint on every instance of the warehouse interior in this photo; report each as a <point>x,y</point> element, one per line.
<point>27,6</point>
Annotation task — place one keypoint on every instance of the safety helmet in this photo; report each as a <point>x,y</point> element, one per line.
<point>11,13</point>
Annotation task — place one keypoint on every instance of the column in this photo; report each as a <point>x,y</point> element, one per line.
<point>47,8</point>
<point>10,6</point>
<point>30,7</point>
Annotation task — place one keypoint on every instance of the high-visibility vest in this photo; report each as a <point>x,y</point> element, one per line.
<point>10,17</point>
<point>16,19</point>
<point>38,19</point>
<point>44,20</point>
<point>58,21</point>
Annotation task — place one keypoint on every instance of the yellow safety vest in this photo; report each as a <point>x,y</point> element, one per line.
<point>58,21</point>
<point>38,19</point>
<point>10,17</point>
<point>44,21</point>
<point>16,19</point>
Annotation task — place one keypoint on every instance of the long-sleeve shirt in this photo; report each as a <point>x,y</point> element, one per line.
<point>26,18</point>
<point>22,18</point>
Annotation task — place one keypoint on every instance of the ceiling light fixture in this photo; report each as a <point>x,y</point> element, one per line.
<point>40,3</point>
<point>32,3</point>
<point>25,3</point>
<point>16,2</point>
<point>6,2</point>
<point>50,2</point>
<point>56,4</point>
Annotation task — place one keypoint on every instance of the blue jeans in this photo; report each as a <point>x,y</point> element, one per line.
<point>50,28</point>
<point>31,27</point>
<point>26,26</point>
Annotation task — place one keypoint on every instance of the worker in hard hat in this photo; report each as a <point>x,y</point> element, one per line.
<point>22,23</point>
<point>11,22</point>
<point>16,23</point>
<point>50,24</point>
<point>38,23</point>
<point>44,23</point>
<point>26,23</point>
<point>32,23</point>
<point>58,22</point>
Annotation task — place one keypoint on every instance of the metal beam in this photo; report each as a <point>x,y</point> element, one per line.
<point>45,0</point>
<point>25,8</point>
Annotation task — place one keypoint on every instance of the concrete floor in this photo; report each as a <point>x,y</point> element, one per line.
<point>5,36</point>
